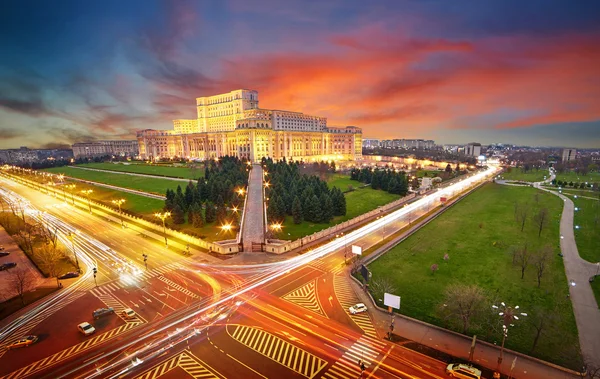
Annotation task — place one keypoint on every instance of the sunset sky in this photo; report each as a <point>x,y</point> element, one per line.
<point>523,72</point>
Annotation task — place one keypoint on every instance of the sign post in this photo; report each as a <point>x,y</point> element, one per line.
<point>392,301</point>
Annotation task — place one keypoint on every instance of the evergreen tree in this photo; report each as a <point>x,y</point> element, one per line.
<point>327,207</point>
<point>189,195</point>
<point>221,214</point>
<point>211,213</point>
<point>448,169</point>
<point>297,211</point>
<point>316,212</point>
<point>196,216</point>
<point>403,185</point>
<point>220,201</point>
<point>170,200</point>
<point>178,215</point>
<point>457,169</point>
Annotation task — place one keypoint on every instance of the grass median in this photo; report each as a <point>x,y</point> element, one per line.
<point>192,173</point>
<point>479,235</point>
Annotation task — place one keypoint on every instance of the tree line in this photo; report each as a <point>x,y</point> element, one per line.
<point>208,200</point>
<point>384,179</point>
<point>306,198</point>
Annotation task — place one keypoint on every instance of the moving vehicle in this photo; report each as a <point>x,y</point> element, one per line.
<point>128,313</point>
<point>23,342</point>
<point>101,312</point>
<point>358,308</point>
<point>3,254</point>
<point>86,328</point>
<point>68,275</point>
<point>459,370</point>
<point>8,265</point>
<point>1,248</point>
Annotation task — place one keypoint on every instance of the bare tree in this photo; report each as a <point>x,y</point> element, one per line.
<point>464,302</point>
<point>382,285</point>
<point>543,321</point>
<point>541,261</point>
<point>22,281</point>
<point>434,267</point>
<point>541,219</point>
<point>49,258</point>
<point>521,213</point>
<point>522,257</point>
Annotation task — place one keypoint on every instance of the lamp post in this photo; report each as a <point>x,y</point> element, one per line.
<point>119,202</point>
<point>276,227</point>
<point>71,187</point>
<point>71,236</point>
<point>163,216</point>
<point>145,260</point>
<point>508,315</point>
<point>95,272</point>
<point>87,194</point>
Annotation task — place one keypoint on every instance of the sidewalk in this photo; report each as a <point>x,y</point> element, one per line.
<point>254,227</point>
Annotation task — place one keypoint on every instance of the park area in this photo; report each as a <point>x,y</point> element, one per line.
<point>192,172</point>
<point>587,228</point>
<point>480,252</point>
<point>360,200</point>
<point>519,174</point>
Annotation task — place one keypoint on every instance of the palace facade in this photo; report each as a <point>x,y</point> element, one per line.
<point>233,124</point>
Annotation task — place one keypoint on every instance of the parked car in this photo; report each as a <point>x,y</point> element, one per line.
<point>68,275</point>
<point>3,253</point>
<point>1,248</point>
<point>459,370</point>
<point>86,328</point>
<point>23,342</point>
<point>128,313</point>
<point>8,265</point>
<point>101,312</point>
<point>358,308</point>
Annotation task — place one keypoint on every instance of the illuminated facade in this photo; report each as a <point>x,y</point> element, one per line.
<point>233,124</point>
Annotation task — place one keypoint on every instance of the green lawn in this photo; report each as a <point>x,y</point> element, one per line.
<point>342,182</point>
<point>533,175</point>
<point>571,176</point>
<point>141,168</point>
<point>588,234</point>
<point>140,183</point>
<point>596,288</point>
<point>478,234</point>
<point>358,202</point>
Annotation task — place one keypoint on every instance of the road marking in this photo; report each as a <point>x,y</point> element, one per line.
<point>364,349</point>
<point>178,287</point>
<point>348,298</point>
<point>188,362</point>
<point>277,349</point>
<point>111,302</point>
<point>306,297</point>
<point>61,355</point>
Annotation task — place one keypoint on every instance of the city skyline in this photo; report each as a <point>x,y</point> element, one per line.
<point>493,72</point>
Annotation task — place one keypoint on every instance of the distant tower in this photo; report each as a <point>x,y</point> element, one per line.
<point>569,155</point>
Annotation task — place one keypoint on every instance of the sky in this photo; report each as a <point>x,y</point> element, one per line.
<point>508,71</point>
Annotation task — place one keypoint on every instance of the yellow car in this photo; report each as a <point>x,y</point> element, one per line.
<point>23,342</point>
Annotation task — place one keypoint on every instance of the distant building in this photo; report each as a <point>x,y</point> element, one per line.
<point>370,143</point>
<point>101,148</point>
<point>26,155</point>
<point>408,144</point>
<point>569,155</point>
<point>473,149</point>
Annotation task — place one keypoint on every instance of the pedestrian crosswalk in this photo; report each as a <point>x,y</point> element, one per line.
<point>333,267</point>
<point>181,289</point>
<point>306,297</point>
<point>277,349</point>
<point>186,361</point>
<point>365,350</point>
<point>146,275</point>
<point>115,304</point>
<point>107,288</point>
<point>348,298</point>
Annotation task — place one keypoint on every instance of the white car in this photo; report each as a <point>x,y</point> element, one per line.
<point>457,370</point>
<point>86,328</point>
<point>128,313</point>
<point>358,308</point>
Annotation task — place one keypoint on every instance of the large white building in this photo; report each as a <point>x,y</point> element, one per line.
<point>473,149</point>
<point>233,124</point>
<point>569,155</point>
<point>102,148</point>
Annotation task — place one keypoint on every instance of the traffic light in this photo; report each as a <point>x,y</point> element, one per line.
<point>95,271</point>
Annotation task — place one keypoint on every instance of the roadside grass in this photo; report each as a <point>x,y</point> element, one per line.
<point>139,183</point>
<point>478,234</point>
<point>596,288</point>
<point>515,173</point>
<point>342,182</point>
<point>12,305</point>
<point>587,217</point>
<point>572,176</point>
<point>142,168</point>
<point>358,202</point>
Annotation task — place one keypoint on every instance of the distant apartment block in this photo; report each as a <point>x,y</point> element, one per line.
<point>26,155</point>
<point>569,155</point>
<point>408,144</point>
<point>473,149</point>
<point>101,148</point>
<point>370,143</point>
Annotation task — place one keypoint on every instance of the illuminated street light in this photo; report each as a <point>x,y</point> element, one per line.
<point>234,209</point>
<point>226,227</point>
<point>267,184</point>
<point>71,236</point>
<point>509,315</point>
<point>71,187</point>
<point>276,227</point>
<point>163,216</point>
<point>241,191</point>
<point>119,202</point>
<point>87,194</point>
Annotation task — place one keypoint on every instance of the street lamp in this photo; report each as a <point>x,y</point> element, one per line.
<point>71,187</point>
<point>241,191</point>
<point>508,315</point>
<point>119,202</point>
<point>95,272</point>
<point>145,260</point>
<point>276,227</point>
<point>226,227</point>
<point>163,216</point>
<point>87,194</point>
<point>71,237</point>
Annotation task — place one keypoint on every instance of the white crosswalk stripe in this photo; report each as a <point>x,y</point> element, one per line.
<point>365,350</point>
<point>115,304</point>
<point>106,289</point>
<point>171,283</point>
<point>348,298</point>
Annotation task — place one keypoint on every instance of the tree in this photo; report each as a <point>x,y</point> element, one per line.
<point>327,206</point>
<point>297,211</point>
<point>541,261</point>
<point>221,214</point>
<point>464,302</point>
<point>49,258</point>
<point>22,281</point>
<point>178,215</point>
<point>211,213</point>
<point>434,267</point>
<point>189,195</point>
<point>381,285</point>
<point>541,219</point>
<point>522,257</point>
<point>316,209</point>
<point>543,320</point>
<point>448,169</point>
<point>521,213</point>
<point>196,216</point>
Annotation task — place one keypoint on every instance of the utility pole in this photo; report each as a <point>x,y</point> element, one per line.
<point>95,272</point>
<point>145,260</point>
<point>163,216</point>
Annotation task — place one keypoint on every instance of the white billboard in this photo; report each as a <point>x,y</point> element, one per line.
<point>391,300</point>
<point>356,250</point>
